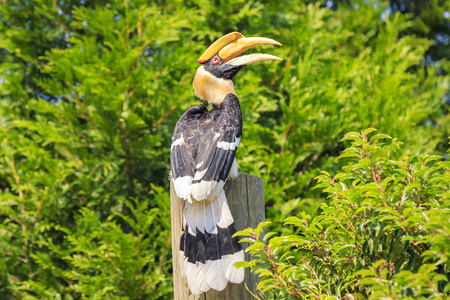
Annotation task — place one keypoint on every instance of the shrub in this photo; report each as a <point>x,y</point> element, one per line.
<point>384,234</point>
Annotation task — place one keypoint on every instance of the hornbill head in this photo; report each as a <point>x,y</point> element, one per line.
<point>220,62</point>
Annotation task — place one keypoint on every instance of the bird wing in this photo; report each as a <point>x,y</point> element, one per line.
<point>184,149</point>
<point>203,149</point>
<point>217,148</point>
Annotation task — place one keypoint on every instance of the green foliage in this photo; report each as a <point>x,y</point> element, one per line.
<point>90,92</point>
<point>345,70</point>
<point>81,146</point>
<point>384,234</point>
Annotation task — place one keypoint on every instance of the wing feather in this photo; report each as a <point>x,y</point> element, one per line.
<point>204,147</point>
<point>184,149</point>
<point>217,149</point>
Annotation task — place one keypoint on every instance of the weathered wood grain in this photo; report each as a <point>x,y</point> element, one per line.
<point>245,196</point>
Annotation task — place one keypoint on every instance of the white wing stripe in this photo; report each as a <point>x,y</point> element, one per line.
<point>178,142</point>
<point>182,187</point>
<point>226,145</point>
<point>199,174</point>
<point>229,146</point>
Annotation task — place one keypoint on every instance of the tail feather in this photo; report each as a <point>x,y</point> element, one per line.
<point>215,266</point>
<point>209,251</point>
<point>192,270</point>
<point>234,274</point>
<point>201,248</point>
<point>225,219</point>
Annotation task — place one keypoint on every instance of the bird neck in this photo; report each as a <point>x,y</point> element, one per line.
<point>211,88</point>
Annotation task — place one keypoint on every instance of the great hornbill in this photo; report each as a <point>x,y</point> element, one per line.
<point>203,150</point>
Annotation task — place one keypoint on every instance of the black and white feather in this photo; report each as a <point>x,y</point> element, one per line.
<point>202,159</point>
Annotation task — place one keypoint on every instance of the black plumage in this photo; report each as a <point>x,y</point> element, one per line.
<point>203,131</point>
<point>210,246</point>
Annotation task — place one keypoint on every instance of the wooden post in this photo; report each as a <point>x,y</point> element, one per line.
<point>245,197</point>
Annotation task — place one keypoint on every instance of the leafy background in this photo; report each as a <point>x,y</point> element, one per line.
<point>90,92</point>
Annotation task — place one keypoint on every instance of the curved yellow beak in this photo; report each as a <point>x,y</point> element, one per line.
<point>231,45</point>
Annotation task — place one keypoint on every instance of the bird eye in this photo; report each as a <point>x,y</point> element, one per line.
<point>215,60</point>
